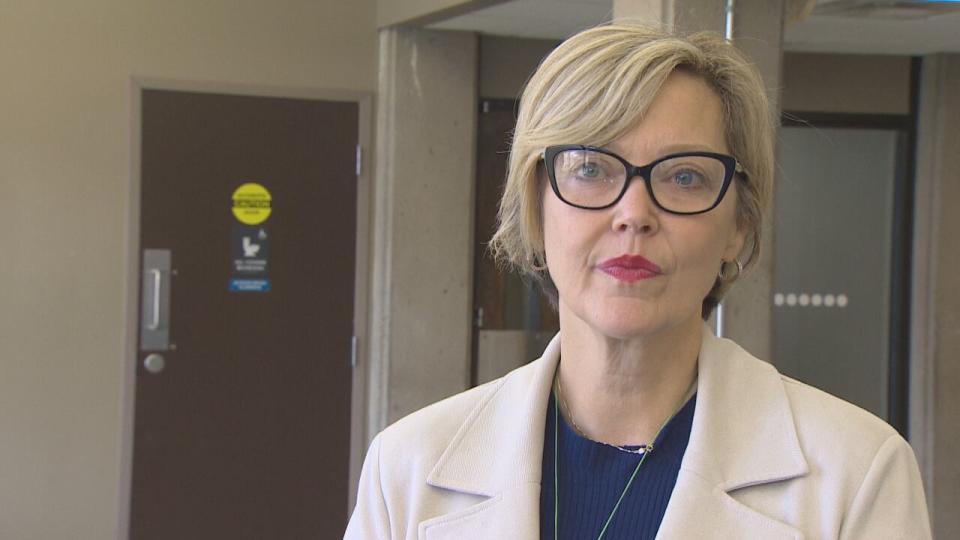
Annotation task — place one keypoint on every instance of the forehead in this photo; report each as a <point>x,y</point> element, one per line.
<point>685,115</point>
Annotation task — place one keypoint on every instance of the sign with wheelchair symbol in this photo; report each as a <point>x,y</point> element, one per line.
<point>250,250</point>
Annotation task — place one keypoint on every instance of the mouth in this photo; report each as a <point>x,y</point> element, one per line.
<point>630,268</point>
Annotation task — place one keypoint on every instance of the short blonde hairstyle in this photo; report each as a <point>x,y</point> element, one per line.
<point>594,88</point>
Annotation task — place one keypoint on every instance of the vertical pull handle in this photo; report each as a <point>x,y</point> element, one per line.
<point>155,300</point>
<point>155,312</point>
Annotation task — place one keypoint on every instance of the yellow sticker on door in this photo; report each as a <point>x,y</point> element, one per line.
<point>251,204</point>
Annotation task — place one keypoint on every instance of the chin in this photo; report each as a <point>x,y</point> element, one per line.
<point>619,321</point>
<point>631,318</point>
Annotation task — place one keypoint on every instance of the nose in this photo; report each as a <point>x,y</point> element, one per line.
<point>635,211</point>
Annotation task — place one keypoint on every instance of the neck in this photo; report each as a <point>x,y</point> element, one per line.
<point>621,391</point>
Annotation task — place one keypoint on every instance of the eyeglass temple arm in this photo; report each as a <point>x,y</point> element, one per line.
<point>741,171</point>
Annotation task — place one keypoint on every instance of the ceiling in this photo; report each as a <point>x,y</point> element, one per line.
<point>857,32</point>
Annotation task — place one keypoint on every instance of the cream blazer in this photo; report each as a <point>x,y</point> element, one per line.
<point>768,458</point>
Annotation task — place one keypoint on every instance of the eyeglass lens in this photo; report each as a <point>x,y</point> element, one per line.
<point>681,184</point>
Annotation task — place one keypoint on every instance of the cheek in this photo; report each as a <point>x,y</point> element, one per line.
<point>695,254</point>
<point>569,235</point>
<point>700,246</point>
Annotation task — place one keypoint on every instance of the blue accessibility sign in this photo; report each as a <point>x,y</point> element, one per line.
<point>249,285</point>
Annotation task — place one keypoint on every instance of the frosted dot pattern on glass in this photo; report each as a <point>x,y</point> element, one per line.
<point>810,300</point>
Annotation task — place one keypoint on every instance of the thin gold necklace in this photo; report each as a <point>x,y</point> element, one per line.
<point>648,449</point>
<point>573,423</point>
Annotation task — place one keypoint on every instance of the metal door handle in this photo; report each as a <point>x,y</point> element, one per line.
<point>155,300</point>
<point>155,322</point>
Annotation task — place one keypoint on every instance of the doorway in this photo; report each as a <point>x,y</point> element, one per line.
<point>242,422</point>
<point>843,225</point>
<point>513,319</point>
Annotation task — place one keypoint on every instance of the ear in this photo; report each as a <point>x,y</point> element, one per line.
<point>735,243</point>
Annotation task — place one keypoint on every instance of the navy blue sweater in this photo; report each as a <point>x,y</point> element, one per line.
<point>592,476</point>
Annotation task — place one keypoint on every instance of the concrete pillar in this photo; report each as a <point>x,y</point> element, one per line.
<point>748,307</point>
<point>423,221</point>
<point>935,313</point>
<point>757,30</point>
<point>684,15</point>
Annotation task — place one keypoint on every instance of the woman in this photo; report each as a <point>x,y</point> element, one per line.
<point>641,166</point>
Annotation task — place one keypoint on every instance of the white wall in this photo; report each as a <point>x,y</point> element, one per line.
<point>65,142</point>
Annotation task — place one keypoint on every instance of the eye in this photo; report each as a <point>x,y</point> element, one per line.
<point>682,176</point>
<point>590,170</point>
<point>587,168</point>
<point>688,178</point>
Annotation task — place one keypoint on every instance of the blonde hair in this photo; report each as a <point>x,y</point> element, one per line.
<point>595,87</point>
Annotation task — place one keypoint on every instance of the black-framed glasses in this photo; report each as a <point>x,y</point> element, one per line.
<point>683,183</point>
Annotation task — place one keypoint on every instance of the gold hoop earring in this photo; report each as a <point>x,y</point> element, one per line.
<point>723,266</point>
<point>535,265</point>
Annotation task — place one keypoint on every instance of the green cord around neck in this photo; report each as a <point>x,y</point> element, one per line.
<point>556,464</point>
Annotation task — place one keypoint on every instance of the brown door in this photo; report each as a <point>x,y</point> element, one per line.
<point>242,420</point>
<point>513,319</point>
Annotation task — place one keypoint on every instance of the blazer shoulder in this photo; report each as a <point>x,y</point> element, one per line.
<point>442,416</point>
<point>862,460</point>
<point>834,434</point>
<point>816,408</point>
<point>828,425</point>
<point>416,441</point>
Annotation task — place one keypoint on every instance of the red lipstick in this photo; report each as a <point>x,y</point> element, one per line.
<point>630,268</point>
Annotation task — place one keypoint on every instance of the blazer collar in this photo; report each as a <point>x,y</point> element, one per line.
<point>732,443</point>
<point>501,442</point>
<point>498,453</point>
<point>742,435</point>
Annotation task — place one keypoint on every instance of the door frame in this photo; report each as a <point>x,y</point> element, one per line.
<point>362,284</point>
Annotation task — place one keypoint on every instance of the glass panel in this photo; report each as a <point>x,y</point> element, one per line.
<point>833,230</point>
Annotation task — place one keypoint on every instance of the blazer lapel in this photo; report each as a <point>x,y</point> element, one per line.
<point>514,513</point>
<point>742,435</point>
<point>497,454</point>
<point>698,509</point>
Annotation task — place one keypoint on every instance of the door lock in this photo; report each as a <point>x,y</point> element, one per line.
<point>154,363</point>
